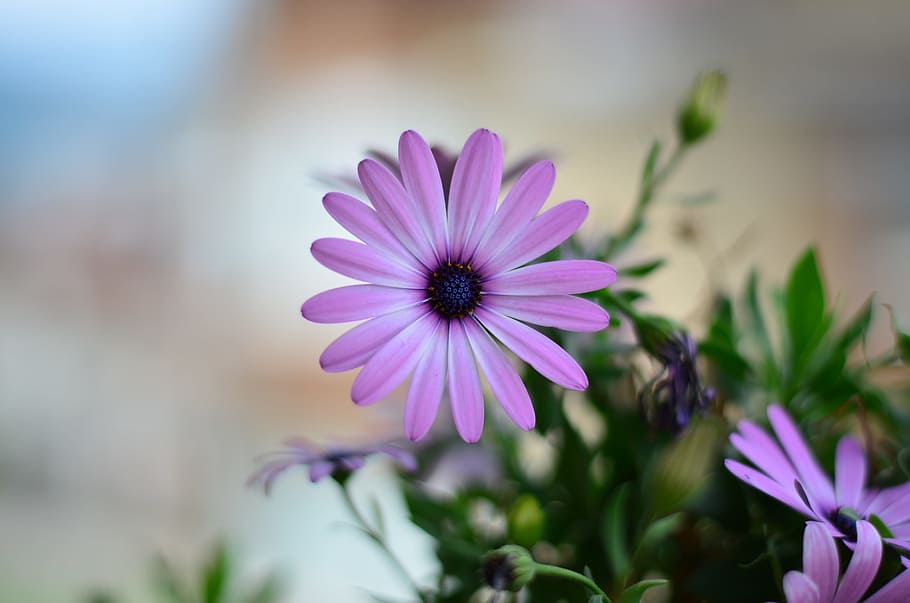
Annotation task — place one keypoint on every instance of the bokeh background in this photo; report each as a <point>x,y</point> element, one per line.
<point>160,167</point>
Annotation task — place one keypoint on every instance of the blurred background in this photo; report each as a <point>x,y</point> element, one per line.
<point>159,190</point>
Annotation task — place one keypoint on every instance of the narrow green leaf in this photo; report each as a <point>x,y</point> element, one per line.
<point>214,577</point>
<point>903,345</point>
<point>634,593</point>
<point>613,530</point>
<point>166,582</point>
<point>647,173</point>
<point>804,310</point>
<point>643,269</point>
<point>857,327</point>
<point>756,318</point>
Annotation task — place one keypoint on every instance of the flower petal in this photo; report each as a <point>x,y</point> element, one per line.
<point>863,565</point>
<point>420,174</point>
<point>760,481</point>
<point>540,236</point>
<point>799,588</point>
<point>820,561</point>
<point>896,591</point>
<point>356,302</point>
<point>560,311</point>
<point>427,386</point>
<point>394,361</point>
<point>363,263</point>
<point>763,452</point>
<point>465,393</point>
<point>892,504</point>
<point>553,278</point>
<point>817,484</point>
<point>475,188</point>
<point>359,344</point>
<point>536,349</point>
<point>521,204</point>
<point>396,209</point>
<point>320,469</point>
<point>502,376</point>
<point>849,473</point>
<point>361,221</point>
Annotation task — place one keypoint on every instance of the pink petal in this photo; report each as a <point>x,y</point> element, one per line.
<point>521,204</point>
<point>394,361</point>
<point>464,385</point>
<point>475,188</point>
<point>553,278</point>
<point>540,236</point>
<point>560,311</point>
<point>420,174</point>
<point>764,452</point>
<point>849,473</point>
<point>356,302</point>
<point>320,469</point>
<point>396,209</point>
<point>799,588</point>
<point>896,591</point>
<point>863,565</point>
<point>502,376</point>
<point>361,221</point>
<point>817,484</point>
<point>762,482</point>
<point>892,504</point>
<point>359,344</point>
<point>540,352</point>
<point>427,386</point>
<point>363,263</point>
<point>820,561</point>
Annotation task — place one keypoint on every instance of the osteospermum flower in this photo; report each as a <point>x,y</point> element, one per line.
<point>446,279</point>
<point>336,461</point>
<point>790,473</point>
<point>818,582</point>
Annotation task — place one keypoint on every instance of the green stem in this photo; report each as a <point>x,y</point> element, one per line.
<point>376,537</point>
<point>552,570</point>
<point>646,194</point>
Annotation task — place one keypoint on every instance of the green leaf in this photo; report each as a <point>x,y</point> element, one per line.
<point>643,269</point>
<point>647,173</point>
<point>634,593</point>
<point>804,311</point>
<point>756,318</point>
<point>857,327</point>
<point>613,530</point>
<point>166,582</point>
<point>880,526</point>
<point>214,577</point>
<point>903,345</point>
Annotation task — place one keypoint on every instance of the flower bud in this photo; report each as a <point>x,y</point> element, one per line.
<point>508,568</point>
<point>702,108</point>
<point>526,521</point>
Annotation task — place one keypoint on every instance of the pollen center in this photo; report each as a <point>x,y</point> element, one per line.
<point>454,290</point>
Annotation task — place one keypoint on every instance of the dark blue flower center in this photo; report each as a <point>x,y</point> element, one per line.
<point>844,519</point>
<point>454,290</point>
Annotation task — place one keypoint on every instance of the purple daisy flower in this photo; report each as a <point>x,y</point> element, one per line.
<point>790,473</point>
<point>818,582</point>
<point>336,461</point>
<point>445,278</point>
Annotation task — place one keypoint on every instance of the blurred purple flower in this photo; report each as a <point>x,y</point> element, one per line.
<point>338,462</point>
<point>790,473</point>
<point>446,278</point>
<point>676,394</point>
<point>818,582</point>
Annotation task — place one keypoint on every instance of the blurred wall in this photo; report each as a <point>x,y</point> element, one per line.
<point>159,192</point>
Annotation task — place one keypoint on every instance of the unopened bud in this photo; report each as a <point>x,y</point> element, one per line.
<point>702,108</point>
<point>508,568</point>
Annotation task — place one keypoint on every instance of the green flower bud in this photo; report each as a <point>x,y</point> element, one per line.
<point>508,568</point>
<point>526,521</point>
<point>702,108</point>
